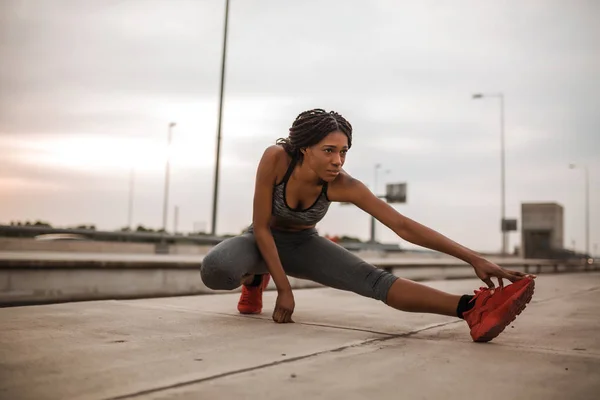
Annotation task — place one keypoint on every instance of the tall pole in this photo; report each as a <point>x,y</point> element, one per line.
<point>218,156</point>
<point>175,220</point>
<point>502,178</point>
<point>503,231</point>
<point>130,208</point>
<point>377,166</point>
<point>587,210</point>
<point>587,205</point>
<point>167,173</point>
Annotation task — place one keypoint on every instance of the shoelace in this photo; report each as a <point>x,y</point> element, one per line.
<point>484,289</point>
<point>481,290</point>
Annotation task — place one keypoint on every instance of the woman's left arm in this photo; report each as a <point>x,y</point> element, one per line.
<point>355,192</point>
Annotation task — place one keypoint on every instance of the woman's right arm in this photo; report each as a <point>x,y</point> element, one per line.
<point>266,176</point>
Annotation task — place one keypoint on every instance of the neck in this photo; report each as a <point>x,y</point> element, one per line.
<point>306,175</point>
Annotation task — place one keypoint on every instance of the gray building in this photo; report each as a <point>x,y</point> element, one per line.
<point>542,230</point>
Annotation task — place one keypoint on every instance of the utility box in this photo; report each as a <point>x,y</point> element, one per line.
<point>542,230</point>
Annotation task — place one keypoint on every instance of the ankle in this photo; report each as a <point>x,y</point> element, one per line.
<point>464,305</point>
<point>252,280</point>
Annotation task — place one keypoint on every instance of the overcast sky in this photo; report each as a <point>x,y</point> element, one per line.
<point>87,90</point>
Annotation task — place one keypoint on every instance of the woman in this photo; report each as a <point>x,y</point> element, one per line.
<point>296,181</point>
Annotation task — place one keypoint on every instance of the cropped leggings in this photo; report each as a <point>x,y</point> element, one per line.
<point>304,255</point>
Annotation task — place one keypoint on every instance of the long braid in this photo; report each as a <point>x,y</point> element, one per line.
<point>310,127</point>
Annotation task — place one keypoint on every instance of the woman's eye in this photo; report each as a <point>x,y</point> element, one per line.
<point>327,150</point>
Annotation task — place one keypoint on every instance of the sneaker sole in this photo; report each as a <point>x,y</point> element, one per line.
<point>249,312</point>
<point>516,305</point>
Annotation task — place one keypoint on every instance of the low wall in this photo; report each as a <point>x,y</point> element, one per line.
<point>25,282</point>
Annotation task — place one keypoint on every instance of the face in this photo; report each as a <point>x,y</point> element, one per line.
<point>327,157</point>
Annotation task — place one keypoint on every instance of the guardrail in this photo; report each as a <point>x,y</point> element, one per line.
<point>147,237</point>
<point>161,240</point>
<point>528,265</point>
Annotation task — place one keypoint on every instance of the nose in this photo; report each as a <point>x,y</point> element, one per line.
<point>336,160</point>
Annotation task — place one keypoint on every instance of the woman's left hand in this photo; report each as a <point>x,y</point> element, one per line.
<point>485,270</point>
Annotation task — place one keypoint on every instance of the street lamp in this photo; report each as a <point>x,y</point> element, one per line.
<point>587,205</point>
<point>167,171</point>
<point>130,205</point>
<point>503,228</point>
<point>218,157</point>
<point>387,171</point>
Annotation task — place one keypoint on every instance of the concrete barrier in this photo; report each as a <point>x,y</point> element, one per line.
<point>60,277</point>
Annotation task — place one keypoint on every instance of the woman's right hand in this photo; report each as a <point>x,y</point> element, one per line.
<point>284,307</point>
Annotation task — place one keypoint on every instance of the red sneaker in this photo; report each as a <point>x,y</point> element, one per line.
<point>493,312</point>
<point>251,298</point>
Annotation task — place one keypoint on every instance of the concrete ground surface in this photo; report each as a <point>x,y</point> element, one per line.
<point>342,346</point>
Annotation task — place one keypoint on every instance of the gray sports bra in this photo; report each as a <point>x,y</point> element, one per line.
<point>290,216</point>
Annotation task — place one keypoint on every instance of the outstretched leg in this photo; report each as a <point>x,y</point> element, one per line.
<point>486,313</point>
<point>411,296</point>
<point>319,259</point>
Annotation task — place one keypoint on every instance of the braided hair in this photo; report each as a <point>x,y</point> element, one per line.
<point>312,126</point>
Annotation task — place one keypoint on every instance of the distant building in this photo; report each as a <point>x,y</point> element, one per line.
<point>542,230</point>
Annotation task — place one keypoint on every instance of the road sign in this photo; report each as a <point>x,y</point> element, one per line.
<point>508,225</point>
<point>395,192</point>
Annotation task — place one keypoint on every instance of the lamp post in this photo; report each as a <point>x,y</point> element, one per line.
<point>218,156</point>
<point>503,229</point>
<point>587,204</point>
<point>130,205</point>
<point>167,172</point>
<point>377,167</point>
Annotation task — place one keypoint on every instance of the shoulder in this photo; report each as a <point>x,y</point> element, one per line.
<point>344,179</point>
<point>274,151</point>
<point>345,188</point>
<point>274,162</point>
<point>274,155</point>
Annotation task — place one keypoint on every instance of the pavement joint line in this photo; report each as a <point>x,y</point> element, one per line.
<point>238,371</point>
<point>265,319</point>
<point>582,353</point>
<point>184,309</point>
<point>564,295</point>
<point>275,363</point>
<point>562,352</point>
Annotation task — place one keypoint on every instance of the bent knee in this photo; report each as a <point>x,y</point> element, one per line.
<point>378,282</point>
<point>215,274</point>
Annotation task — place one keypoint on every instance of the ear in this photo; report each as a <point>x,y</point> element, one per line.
<point>303,150</point>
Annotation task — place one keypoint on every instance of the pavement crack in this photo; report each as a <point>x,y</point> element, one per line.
<point>387,336</point>
<point>239,371</point>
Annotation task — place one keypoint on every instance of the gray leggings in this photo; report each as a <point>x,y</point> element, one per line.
<point>304,255</point>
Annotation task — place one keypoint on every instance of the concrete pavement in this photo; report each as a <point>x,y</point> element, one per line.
<point>341,346</point>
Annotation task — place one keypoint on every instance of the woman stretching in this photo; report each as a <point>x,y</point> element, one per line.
<point>296,181</point>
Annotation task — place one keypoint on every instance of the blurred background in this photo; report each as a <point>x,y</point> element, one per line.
<point>109,112</point>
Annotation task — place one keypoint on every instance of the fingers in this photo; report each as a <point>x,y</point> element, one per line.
<point>490,284</point>
<point>521,275</point>
<point>517,276</point>
<point>282,316</point>
<point>277,315</point>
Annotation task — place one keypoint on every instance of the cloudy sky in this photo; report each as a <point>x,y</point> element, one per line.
<point>88,89</point>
